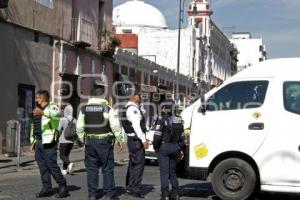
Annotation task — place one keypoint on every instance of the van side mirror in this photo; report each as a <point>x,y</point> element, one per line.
<point>202,108</point>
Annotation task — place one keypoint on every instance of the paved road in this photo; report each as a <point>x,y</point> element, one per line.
<point>24,184</point>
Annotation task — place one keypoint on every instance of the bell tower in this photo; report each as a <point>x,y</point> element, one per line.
<point>199,15</point>
<point>199,12</point>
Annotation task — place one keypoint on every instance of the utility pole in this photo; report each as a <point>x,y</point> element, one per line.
<point>178,54</point>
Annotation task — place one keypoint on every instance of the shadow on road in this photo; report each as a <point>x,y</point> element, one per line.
<point>71,188</point>
<point>275,196</point>
<point>203,190</point>
<point>121,190</point>
<point>151,162</point>
<point>147,189</point>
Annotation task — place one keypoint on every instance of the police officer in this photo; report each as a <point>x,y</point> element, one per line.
<point>44,143</point>
<point>134,125</point>
<point>168,142</point>
<point>98,126</point>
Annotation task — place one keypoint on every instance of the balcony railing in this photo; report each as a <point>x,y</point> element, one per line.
<point>81,32</point>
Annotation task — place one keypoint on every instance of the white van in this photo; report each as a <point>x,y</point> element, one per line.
<point>246,132</point>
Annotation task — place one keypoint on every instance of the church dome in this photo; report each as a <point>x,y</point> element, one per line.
<point>137,13</point>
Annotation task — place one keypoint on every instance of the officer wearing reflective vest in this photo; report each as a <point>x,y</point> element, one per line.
<point>168,142</point>
<point>98,127</point>
<point>43,137</point>
<point>134,125</point>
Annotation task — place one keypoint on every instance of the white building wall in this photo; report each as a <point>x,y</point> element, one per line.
<point>205,50</point>
<point>220,48</point>
<point>249,52</point>
<point>163,44</point>
<point>221,68</point>
<point>135,29</point>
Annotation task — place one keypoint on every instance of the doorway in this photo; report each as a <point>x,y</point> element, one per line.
<point>24,110</point>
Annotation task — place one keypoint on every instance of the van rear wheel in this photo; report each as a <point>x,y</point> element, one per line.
<point>233,179</point>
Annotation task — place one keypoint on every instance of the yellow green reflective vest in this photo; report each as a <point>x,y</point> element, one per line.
<point>49,123</point>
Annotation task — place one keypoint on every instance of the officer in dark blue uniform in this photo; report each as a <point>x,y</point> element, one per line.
<point>98,126</point>
<point>134,125</point>
<point>168,142</point>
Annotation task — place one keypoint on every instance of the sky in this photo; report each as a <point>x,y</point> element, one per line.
<point>277,22</point>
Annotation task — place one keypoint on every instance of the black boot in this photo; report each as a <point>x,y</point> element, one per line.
<point>174,194</point>
<point>174,197</point>
<point>62,191</point>
<point>164,195</point>
<point>42,194</point>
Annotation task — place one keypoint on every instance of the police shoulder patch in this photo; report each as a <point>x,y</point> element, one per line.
<point>177,120</point>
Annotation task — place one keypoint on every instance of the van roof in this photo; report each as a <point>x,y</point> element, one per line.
<point>281,68</point>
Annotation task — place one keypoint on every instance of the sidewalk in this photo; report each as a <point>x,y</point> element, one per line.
<point>27,161</point>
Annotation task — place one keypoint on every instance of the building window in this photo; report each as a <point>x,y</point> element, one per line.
<point>101,18</point>
<point>51,41</point>
<point>146,79</point>
<point>125,85</point>
<point>127,30</point>
<point>36,36</point>
<point>291,96</point>
<point>124,70</point>
<point>47,3</point>
<point>131,72</point>
<point>239,95</point>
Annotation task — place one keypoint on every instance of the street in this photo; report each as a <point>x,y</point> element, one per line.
<point>24,184</point>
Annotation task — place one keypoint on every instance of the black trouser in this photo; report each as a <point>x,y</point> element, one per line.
<point>136,164</point>
<point>46,158</point>
<point>64,153</point>
<point>99,153</point>
<point>167,158</point>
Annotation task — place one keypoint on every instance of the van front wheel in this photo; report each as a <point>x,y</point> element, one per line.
<point>233,179</point>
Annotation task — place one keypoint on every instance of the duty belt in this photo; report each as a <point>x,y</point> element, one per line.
<point>98,136</point>
<point>131,134</point>
<point>106,139</point>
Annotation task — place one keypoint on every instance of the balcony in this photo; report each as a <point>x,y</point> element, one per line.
<point>81,32</point>
<point>4,3</point>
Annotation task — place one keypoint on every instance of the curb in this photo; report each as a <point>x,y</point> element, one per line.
<point>13,168</point>
<point>9,170</point>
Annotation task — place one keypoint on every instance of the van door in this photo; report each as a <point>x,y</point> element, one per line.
<point>232,121</point>
<point>279,158</point>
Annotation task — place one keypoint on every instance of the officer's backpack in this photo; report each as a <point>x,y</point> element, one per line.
<point>70,131</point>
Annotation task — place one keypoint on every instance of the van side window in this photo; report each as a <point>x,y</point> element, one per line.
<point>291,96</point>
<point>238,95</point>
